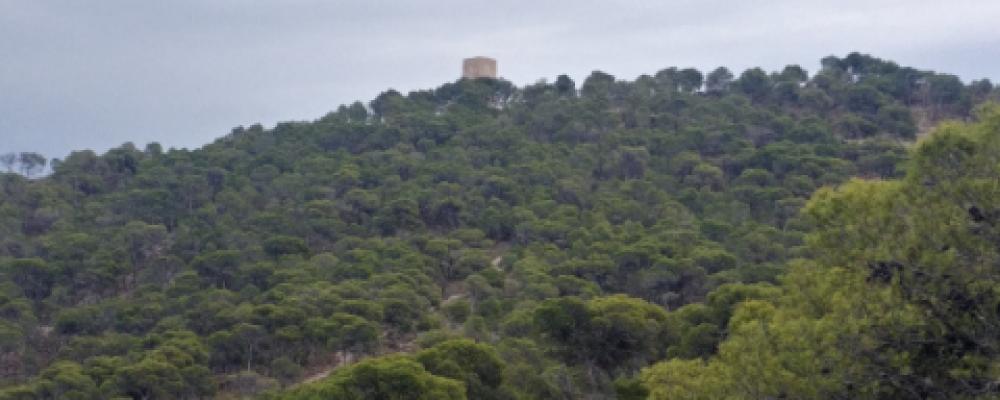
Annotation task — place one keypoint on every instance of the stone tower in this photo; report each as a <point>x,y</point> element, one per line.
<point>479,67</point>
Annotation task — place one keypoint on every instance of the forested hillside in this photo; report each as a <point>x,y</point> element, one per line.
<point>621,239</point>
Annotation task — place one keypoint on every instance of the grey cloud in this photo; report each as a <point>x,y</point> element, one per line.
<point>95,74</point>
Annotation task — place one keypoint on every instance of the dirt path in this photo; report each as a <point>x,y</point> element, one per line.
<point>497,252</point>
<point>406,344</point>
<point>340,359</point>
<point>317,376</point>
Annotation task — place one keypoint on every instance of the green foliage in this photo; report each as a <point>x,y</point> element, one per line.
<point>382,378</point>
<point>610,332</point>
<point>578,233</point>
<point>457,310</point>
<point>284,245</point>
<point>897,301</point>
<point>476,365</point>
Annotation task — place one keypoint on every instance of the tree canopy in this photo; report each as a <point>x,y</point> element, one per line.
<point>684,234</point>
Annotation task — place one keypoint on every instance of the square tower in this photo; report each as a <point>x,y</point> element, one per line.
<point>479,67</point>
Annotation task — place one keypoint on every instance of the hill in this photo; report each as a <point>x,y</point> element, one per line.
<point>575,235</point>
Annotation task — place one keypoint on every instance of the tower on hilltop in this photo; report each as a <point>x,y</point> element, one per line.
<point>479,67</point>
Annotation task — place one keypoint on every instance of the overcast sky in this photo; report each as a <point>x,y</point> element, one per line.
<point>94,74</point>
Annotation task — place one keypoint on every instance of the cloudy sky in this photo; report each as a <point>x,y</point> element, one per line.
<point>94,74</point>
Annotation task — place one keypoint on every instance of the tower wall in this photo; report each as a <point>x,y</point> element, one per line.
<point>479,67</point>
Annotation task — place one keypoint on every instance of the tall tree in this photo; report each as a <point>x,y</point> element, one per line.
<point>8,160</point>
<point>718,80</point>
<point>31,163</point>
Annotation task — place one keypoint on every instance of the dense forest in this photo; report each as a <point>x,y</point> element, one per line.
<point>683,235</point>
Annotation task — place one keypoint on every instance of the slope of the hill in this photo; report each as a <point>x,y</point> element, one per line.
<point>899,301</point>
<point>244,266</point>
